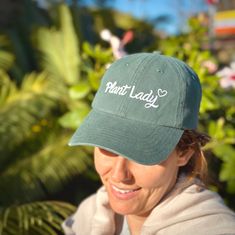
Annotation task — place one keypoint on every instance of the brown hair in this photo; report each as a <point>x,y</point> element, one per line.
<point>197,165</point>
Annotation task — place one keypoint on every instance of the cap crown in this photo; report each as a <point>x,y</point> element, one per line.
<point>151,88</point>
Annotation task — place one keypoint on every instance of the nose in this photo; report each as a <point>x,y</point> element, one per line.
<point>120,170</point>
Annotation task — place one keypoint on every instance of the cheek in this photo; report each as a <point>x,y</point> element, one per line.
<point>98,165</point>
<point>102,164</point>
<point>155,176</point>
<point>151,178</point>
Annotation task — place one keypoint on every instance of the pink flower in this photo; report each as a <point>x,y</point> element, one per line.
<point>211,2</point>
<point>116,43</point>
<point>227,76</point>
<point>210,65</point>
<point>127,37</point>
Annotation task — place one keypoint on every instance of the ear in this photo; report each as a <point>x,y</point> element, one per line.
<point>184,157</point>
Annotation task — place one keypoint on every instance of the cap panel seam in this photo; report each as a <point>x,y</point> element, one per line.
<point>122,109</point>
<point>146,63</point>
<point>180,104</point>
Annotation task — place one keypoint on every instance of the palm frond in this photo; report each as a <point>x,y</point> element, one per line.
<point>35,84</point>
<point>23,109</point>
<point>37,218</point>
<point>43,173</point>
<point>6,57</point>
<point>59,48</point>
<point>7,87</point>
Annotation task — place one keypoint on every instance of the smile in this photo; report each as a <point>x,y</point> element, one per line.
<point>123,191</point>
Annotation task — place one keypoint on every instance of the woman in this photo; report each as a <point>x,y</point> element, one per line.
<point>148,155</point>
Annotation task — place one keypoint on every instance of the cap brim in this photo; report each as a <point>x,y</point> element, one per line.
<point>141,142</point>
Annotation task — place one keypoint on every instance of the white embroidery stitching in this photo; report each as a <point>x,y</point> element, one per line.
<point>150,98</point>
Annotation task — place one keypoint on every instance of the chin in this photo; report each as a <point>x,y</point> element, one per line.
<point>123,207</point>
<point>122,210</point>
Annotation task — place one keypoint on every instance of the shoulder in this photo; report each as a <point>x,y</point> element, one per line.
<point>207,213</point>
<point>87,206</point>
<point>193,210</point>
<point>93,216</point>
<point>79,221</point>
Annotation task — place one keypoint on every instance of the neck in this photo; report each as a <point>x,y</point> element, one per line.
<point>135,223</point>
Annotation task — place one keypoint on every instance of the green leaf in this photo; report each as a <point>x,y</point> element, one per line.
<point>95,78</point>
<point>227,154</point>
<point>87,48</point>
<point>79,91</point>
<point>7,88</point>
<point>209,101</point>
<point>74,118</point>
<point>43,172</point>
<point>216,129</point>
<point>59,48</point>
<point>6,57</point>
<point>21,111</point>
<point>37,218</point>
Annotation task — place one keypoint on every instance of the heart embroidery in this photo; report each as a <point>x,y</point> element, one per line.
<point>161,93</point>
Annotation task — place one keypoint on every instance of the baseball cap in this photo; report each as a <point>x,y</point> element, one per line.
<point>142,107</point>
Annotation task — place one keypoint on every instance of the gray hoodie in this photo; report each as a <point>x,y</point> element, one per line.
<point>186,210</point>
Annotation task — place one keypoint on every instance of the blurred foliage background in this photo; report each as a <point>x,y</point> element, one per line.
<point>51,63</point>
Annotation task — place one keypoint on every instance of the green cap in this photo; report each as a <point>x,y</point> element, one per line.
<point>143,105</point>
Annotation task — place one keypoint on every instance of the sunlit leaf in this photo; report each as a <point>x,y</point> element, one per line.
<point>35,218</point>
<point>80,90</point>
<point>6,57</point>
<point>59,48</point>
<point>74,118</point>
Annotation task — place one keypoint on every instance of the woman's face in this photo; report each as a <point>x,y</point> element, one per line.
<point>135,189</point>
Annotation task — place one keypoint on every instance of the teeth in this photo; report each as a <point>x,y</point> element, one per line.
<point>122,190</point>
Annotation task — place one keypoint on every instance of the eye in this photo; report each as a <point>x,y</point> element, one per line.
<point>107,153</point>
